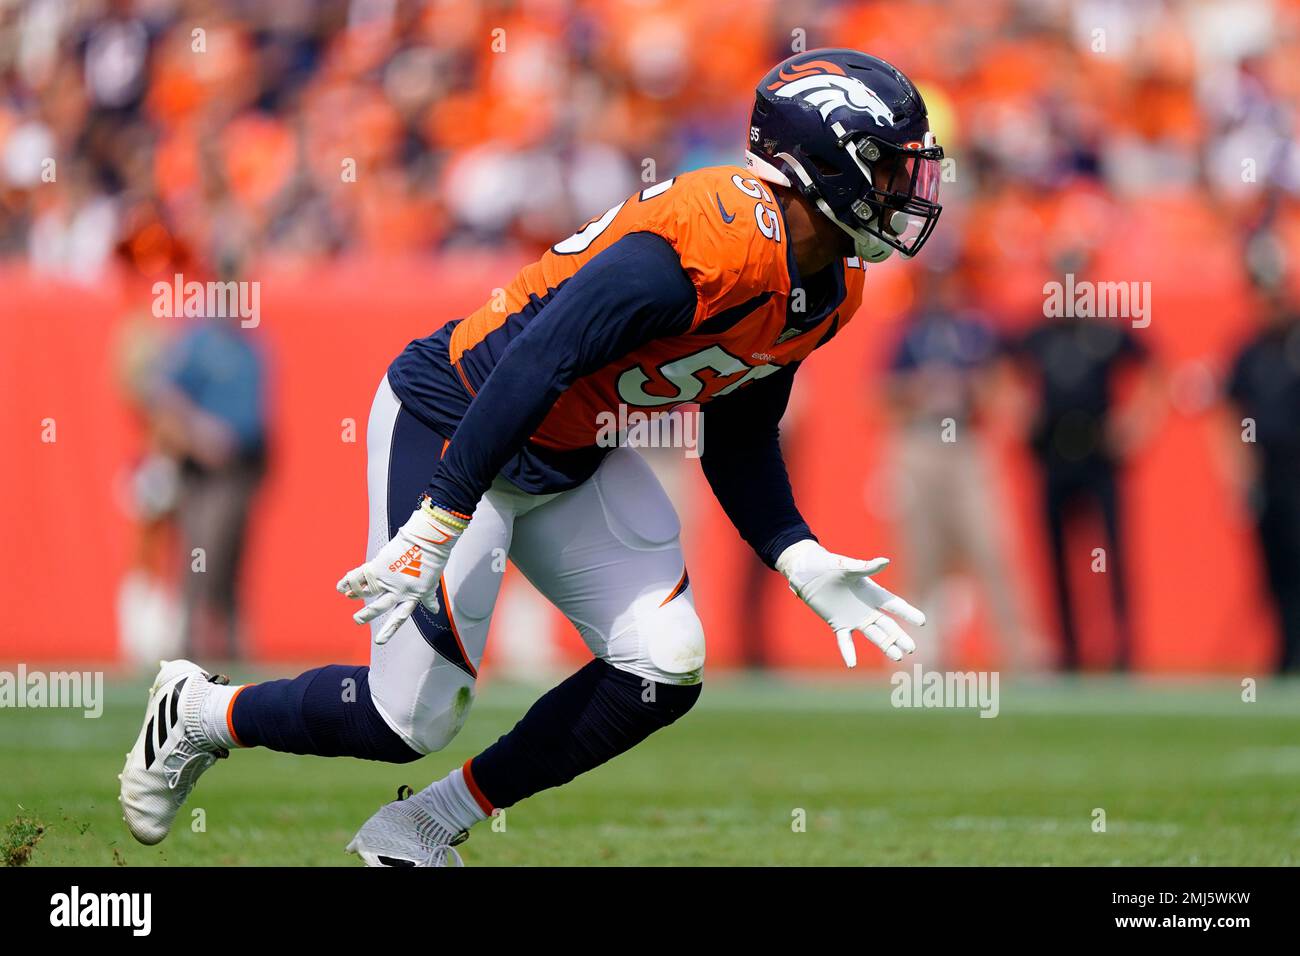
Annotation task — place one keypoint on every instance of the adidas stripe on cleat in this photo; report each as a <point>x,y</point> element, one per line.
<point>165,763</point>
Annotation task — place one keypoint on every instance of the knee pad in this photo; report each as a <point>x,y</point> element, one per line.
<point>432,719</point>
<point>674,641</point>
<point>666,643</point>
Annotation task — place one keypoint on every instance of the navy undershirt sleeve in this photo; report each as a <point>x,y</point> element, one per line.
<point>631,293</point>
<point>743,463</point>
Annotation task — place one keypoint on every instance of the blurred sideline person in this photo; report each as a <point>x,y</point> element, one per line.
<point>148,608</point>
<point>150,618</point>
<point>940,378</point>
<point>209,415</point>
<point>1264,387</point>
<point>1081,438</point>
<point>711,287</point>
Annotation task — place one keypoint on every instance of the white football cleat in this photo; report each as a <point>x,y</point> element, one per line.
<point>402,834</point>
<point>165,762</point>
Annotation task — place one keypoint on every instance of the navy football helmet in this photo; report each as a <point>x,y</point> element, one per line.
<point>851,133</point>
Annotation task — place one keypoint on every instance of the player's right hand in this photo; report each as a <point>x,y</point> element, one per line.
<point>406,571</point>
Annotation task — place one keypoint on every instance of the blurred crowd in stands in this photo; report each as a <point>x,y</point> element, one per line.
<point>190,129</point>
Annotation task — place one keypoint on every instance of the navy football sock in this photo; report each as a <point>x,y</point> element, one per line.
<point>318,713</point>
<point>595,715</point>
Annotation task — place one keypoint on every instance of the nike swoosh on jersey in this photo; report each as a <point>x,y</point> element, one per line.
<point>726,217</point>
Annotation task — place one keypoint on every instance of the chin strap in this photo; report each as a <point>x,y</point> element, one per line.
<point>867,247</point>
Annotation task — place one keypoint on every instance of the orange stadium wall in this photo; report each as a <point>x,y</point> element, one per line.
<point>331,331</point>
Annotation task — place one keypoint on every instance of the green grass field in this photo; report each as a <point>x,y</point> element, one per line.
<point>1187,774</point>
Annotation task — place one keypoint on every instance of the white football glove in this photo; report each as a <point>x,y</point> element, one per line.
<point>839,590</point>
<point>406,571</point>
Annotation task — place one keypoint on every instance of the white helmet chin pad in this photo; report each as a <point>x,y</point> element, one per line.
<point>871,249</point>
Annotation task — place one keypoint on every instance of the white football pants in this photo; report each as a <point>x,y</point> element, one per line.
<point>606,553</point>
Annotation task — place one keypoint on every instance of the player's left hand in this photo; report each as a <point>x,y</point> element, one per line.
<point>405,572</point>
<point>839,589</point>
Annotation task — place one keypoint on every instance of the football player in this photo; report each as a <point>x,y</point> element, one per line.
<point>712,287</point>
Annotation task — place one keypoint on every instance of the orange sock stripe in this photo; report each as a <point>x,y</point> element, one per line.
<point>230,714</point>
<point>483,802</point>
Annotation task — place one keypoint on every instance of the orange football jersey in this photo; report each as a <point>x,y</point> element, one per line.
<point>728,231</point>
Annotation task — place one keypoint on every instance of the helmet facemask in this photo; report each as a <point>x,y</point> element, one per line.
<point>900,205</point>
